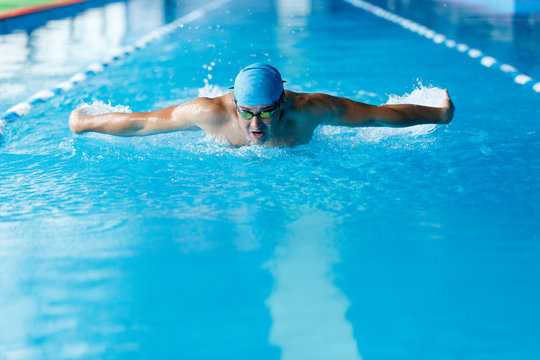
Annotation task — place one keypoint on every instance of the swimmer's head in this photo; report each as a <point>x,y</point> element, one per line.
<point>258,84</point>
<point>258,89</point>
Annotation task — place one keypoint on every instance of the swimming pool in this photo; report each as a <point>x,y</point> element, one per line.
<point>366,243</point>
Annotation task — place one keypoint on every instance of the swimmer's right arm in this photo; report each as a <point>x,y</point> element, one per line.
<point>182,117</point>
<point>345,112</point>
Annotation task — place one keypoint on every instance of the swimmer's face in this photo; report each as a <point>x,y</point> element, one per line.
<point>258,121</point>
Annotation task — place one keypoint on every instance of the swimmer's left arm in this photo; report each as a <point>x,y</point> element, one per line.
<point>346,112</point>
<point>196,113</point>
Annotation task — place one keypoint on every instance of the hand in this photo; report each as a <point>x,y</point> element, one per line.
<point>447,109</point>
<point>75,121</point>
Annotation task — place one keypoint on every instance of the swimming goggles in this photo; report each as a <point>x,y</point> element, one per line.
<point>265,113</point>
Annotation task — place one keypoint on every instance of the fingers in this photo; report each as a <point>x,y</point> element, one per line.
<point>445,100</point>
<point>447,95</point>
<point>74,121</point>
<point>447,108</point>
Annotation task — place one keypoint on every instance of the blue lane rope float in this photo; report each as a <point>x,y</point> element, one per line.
<point>25,107</point>
<point>485,60</point>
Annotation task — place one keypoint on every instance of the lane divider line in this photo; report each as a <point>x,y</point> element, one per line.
<point>485,60</point>
<point>25,107</point>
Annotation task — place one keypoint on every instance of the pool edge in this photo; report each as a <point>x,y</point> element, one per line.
<point>27,10</point>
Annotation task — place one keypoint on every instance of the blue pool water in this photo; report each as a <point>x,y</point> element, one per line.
<point>415,243</point>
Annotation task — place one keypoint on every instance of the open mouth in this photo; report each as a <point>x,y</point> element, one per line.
<point>258,134</point>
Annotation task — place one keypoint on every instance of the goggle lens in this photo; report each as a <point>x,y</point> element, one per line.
<point>246,115</point>
<point>267,114</point>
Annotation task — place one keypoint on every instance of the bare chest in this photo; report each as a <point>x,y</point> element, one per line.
<point>289,131</point>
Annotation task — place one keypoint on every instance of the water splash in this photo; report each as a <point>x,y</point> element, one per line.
<point>421,95</point>
<point>217,146</point>
<point>99,107</point>
<point>212,90</point>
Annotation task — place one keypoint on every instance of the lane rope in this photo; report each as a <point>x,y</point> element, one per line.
<point>25,107</point>
<point>485,60</point>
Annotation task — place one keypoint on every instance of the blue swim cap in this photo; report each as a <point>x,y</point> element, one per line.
<point>258,84</point>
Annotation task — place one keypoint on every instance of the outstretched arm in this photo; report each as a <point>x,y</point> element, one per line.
<point>182,117</point>
<point>346,112</point>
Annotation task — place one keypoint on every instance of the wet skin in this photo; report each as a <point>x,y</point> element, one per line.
<point>258,129</point>
<point>292,123</point>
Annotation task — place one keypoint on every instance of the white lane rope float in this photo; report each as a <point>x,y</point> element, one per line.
<point>485,60</point>
<point>25,107</point>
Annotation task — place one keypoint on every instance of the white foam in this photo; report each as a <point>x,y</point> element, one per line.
<point>212,90</point>
<point>376,134</point>
<point>422,95</point>
<point>99,107</point>
<point>208,90</point>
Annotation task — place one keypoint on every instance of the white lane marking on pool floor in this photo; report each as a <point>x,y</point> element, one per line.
<point>485,60</point>
<point>25,107</point>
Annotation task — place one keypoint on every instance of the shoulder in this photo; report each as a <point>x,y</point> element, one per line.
<point>206,110</point>
<point>315,105</point>
<point>334,110</point>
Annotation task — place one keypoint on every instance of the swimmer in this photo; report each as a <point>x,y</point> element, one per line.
<point>259,111</point>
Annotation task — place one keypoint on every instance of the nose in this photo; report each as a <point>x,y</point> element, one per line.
<point>255,122</point>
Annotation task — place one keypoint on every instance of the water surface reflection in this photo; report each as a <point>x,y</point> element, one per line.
<point>507,30</point>
<point>308,310</point>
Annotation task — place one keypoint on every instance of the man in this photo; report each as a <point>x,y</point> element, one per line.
<point>259,111</point>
